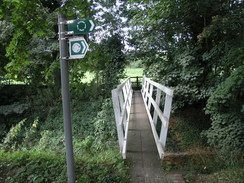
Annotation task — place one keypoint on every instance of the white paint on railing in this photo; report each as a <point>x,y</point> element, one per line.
<point>122,98</point>
<point>147,95</point>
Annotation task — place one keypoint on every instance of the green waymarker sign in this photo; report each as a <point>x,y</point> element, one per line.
<point>77,47</point>
<point>78,27</point>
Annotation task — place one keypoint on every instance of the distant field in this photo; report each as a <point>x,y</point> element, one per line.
<point>134,72</point>
<point>129,72</point>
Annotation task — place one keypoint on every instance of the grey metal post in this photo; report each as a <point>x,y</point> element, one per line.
<point>66,99</point>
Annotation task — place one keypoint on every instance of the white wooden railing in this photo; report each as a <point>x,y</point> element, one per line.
<point>151,90</point>
<point>122,98</point>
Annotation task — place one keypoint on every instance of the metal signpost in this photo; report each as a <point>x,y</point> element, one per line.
<point>77,49</point>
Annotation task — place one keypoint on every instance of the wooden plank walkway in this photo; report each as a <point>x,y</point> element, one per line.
<point>141,149</point>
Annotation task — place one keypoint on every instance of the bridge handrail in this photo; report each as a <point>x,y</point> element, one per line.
<point>147,95</point>
<point>122,98</point>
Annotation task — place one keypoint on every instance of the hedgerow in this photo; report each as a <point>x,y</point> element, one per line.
<point>227,113</point>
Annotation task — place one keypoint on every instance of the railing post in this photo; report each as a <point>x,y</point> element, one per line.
<point>146,90</point>
<point>127,88</point>
<point>143,87</point>
<point>155,115</point>
<point>150,94</point>
<point>125,94</point>
<point>121,104</point>
<point>121,101</point>
<point>129,94</point>
<point>167,109</point>
<point>118,117</point>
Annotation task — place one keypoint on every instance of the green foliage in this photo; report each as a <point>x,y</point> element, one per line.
<point>29,34</point>
<point>43,129</point>
<point>183,136</point>
<point>226,109</point>
<point>214,161</point>
<point>45,99</point>
<point>14,136</point>
<point>105,128</point>
<point>189,45</point>
<point>15,108</point>
<point>193,46</point>
<point>6,28</point>
<point>228,176</point>
<point>94,136</point>
<point>26,21</point>
<point>108,62</point>
<point>36,167</point>
<point>32,167</point>
<point>184,129</point>
<point>135,64</point>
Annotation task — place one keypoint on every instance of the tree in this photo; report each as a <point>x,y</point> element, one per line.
<point>226,109</point>
<point>192,46</point>
<point>32,50</point>
<point>108,62</point>
<point>189,45</point>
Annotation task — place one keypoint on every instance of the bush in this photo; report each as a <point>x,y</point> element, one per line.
<point>13,107</point>
<point>226,109</point>
<point>105,127</point>
<point>27,167</point>
<point>94,136</point>
<point>14,136</point>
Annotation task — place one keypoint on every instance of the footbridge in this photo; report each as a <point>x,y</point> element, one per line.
<point>142,119</point>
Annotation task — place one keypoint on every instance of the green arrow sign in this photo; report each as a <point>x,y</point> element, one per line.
<point>78,27</point>
<point>77,47</point>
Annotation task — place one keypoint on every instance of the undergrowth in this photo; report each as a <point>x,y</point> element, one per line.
<point>204,164</point>
<point>185,128</point>
<point>34,150</point>
<point>28,167</point>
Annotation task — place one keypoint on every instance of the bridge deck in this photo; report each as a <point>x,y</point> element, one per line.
<point>141,149</point>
